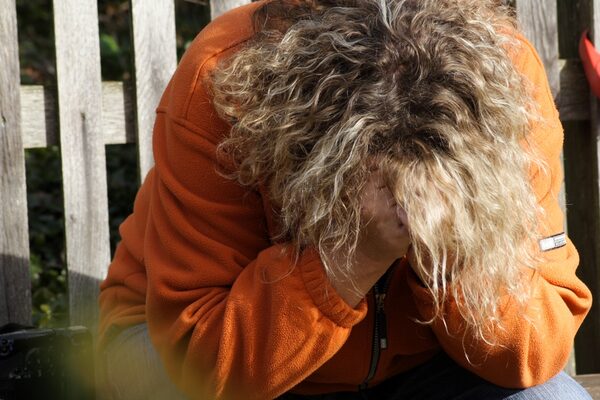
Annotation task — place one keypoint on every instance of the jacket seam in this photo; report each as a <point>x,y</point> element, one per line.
<point>187,124</point>
<point>199,70</point>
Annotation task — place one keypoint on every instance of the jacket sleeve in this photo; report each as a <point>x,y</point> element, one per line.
<point>231,314</point>
<point>527,354</point>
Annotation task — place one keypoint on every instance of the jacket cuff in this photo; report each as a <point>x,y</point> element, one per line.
<point>324,295</point>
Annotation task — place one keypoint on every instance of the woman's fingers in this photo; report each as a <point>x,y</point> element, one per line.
<point>381,211</point>
<point>377,198</point>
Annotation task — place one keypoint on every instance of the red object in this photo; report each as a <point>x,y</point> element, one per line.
<point>591,62</point>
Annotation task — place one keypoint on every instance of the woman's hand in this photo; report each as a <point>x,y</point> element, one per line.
<point>383,239</point>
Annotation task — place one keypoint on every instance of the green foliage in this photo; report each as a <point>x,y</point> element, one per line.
<point>36,41</point>
<point>113,62</point>
<point>46,237</point>
<point>49,292</point>
<point>121,163</point>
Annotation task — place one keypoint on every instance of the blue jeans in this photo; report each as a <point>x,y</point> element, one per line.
<point>134,371</point>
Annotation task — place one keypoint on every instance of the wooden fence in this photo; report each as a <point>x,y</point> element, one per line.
<point>85,114</point>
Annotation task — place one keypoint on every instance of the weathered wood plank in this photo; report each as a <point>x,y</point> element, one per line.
<point>82,154</point>
<point>573,18</point>
<point>155,59</point>
<point>40,121</point>
<point>15,284</point>
<point>583,215</point>
<point>118,120</point>
<point>538,21</point>
<point>584,196</point>
<point>38,116</point>
<point>573,97</point>
<point>219,7</point>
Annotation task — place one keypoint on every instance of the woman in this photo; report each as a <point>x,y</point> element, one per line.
<point>350,199</point>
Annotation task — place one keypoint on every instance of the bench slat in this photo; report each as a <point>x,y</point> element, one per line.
<point>585,196</point>
<point>82,154</point>
<point>155,59</point>
<point>15,284</point>
<point>219,7</point>
<point>39,123</point>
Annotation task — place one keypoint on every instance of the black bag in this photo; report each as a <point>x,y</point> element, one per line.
<point>46,363</point>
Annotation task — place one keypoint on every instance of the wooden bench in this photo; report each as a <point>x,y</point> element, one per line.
<point>85,114</point>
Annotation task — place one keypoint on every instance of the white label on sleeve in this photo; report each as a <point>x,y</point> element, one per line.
<point>553,242</point>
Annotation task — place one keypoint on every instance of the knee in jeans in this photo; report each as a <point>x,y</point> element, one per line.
<point>561,387</point>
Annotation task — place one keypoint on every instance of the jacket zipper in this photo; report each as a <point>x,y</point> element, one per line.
<point>380,340</point>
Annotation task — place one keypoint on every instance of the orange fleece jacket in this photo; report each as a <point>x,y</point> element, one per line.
<point>232,319</point>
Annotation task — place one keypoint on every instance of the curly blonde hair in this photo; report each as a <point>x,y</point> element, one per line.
<point>427,88</point>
